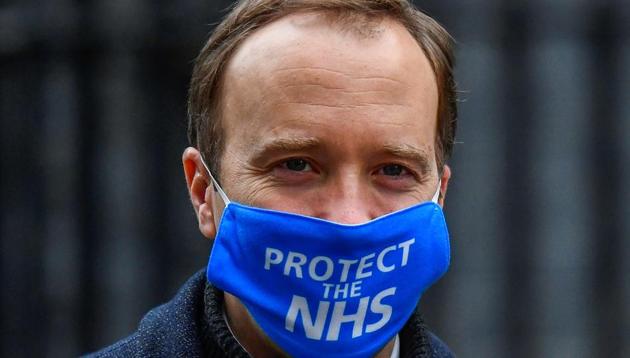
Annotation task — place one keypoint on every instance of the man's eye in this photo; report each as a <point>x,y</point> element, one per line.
<point>394,170</point>
<point>297,165</point>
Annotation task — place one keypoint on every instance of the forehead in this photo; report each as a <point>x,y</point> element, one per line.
<point>309,57</point>
<point>373,45</point>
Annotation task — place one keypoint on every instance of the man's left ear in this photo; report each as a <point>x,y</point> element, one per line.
<point>446,176</point>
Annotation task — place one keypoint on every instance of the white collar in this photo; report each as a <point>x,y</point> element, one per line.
<point>227,323</point>
<point>396,350</point>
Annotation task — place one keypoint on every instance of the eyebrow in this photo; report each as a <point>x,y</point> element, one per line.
<point>296,144</point>
<point>279,145</point>
<point>410,153</point>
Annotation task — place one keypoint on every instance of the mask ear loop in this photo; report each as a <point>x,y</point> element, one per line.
<point>216,185</point>
<point>437,193</point>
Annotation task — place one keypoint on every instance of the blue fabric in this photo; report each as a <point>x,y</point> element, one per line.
<point>317,287</point>
<point>174,330</point>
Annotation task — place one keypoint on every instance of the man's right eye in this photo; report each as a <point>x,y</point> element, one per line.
<point>297,165</point>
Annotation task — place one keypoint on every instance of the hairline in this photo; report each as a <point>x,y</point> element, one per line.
<point>341,17</point>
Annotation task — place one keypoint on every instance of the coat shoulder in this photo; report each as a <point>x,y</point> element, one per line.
<point>166,329</point>
<point>439,349</point>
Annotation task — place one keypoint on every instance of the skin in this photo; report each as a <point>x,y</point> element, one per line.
<point>324,123</point>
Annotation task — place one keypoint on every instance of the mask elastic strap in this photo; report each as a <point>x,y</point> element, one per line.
<point>224,197</point>
<point>437,193</point>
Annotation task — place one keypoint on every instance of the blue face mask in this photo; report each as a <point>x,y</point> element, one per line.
<point>323,289</point>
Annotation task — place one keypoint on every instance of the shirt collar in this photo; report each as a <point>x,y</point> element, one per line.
<point>396,350</point>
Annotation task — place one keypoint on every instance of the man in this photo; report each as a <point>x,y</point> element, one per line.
<point>319,133</point>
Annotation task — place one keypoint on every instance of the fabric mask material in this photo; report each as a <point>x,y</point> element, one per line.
<point>319,288</point>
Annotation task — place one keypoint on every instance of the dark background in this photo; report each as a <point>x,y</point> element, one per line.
<point>96,227</point>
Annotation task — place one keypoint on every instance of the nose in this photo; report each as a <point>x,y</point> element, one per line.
<point>348,215</point>
<point>346,201</point>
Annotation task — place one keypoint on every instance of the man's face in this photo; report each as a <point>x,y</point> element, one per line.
<point>325,123</point>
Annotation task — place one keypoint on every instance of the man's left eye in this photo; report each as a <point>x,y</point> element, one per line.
<point>297,165</point>
<point>394,170</point>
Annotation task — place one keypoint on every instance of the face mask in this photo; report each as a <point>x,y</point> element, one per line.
<point>324,289</point>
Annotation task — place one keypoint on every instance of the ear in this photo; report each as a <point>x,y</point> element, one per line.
<point>201,192</point>
<point>446,176</point>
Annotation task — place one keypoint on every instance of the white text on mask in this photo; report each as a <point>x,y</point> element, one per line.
<point>296,263</point>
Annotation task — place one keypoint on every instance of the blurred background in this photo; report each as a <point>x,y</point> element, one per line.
<point>96,226</point>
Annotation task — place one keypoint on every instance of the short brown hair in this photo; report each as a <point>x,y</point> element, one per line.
<point>204,127</point>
